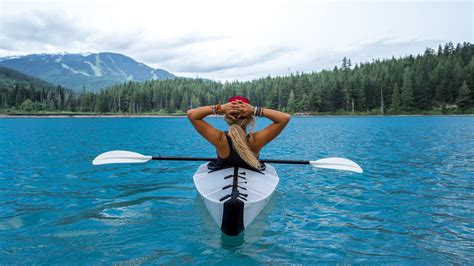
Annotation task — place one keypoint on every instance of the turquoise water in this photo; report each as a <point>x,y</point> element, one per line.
<point>413,204</point>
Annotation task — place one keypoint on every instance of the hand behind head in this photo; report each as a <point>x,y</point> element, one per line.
<point>236,114</point>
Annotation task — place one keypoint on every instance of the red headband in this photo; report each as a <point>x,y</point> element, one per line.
<point>238,98</point>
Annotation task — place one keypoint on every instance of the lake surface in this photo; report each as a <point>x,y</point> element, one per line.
<point>413,204</point>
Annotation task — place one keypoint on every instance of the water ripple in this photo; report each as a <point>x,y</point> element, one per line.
<point>412,205</point>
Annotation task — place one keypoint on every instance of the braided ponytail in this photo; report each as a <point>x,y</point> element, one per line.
<point>237,133</point>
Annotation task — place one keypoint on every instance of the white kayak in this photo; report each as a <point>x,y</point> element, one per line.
<point>234,196</point>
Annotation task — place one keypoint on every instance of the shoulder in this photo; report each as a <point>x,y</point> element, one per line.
<point>251,139</point>
<point>222,137</point>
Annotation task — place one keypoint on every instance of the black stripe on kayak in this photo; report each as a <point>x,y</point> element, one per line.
<point>233,214</point>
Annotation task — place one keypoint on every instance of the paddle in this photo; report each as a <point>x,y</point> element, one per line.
<point>133,157</point>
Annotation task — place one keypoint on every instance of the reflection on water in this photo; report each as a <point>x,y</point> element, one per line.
<point>234,243</point>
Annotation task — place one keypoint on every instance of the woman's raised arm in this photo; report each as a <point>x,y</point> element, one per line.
<point>280,120</point>
<point>264,136</point>
<point>206,130</point>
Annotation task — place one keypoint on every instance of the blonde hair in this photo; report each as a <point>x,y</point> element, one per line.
<point>237,133</point>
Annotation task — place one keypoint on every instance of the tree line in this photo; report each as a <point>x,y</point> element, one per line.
<point>19,91</point>
<point>441,80</point>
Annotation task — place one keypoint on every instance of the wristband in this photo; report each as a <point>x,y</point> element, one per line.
<point>218,109</point>
<point>213,109</point>
<point>258,111</point>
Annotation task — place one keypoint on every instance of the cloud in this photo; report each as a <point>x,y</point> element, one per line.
<point>58,30</point>
<point>157,52</point>
<point>138,41</point>
<point>205,63</point>
<point>298,60</point>
<point>232,41</point>
<point>39,27</point>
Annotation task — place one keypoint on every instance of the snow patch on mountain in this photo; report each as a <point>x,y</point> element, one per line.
<point>109,68</point>
<point>10,57</point>
<point>58,60</point>
<point>97,65</point>
<point>154,76</point>
<point>116,67</point>
<point>86,54</point>
<point>97,71</point>
<point>73,70</point>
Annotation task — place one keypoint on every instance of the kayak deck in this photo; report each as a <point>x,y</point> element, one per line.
<point>234,196</point>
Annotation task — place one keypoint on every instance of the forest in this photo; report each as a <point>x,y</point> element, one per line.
<point>435,82</point>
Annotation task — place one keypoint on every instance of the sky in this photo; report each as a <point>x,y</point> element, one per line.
<point>234,40</point>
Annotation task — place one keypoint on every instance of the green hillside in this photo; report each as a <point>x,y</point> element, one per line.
<point>19,91</point>
<point>9,78</point>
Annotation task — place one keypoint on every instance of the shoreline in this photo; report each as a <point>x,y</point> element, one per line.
<point>182,116</point>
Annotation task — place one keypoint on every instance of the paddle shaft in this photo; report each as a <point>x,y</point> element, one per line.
<point>171,158</point>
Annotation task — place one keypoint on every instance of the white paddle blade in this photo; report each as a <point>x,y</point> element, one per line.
<point>338,164</point>
<point>120,157</point>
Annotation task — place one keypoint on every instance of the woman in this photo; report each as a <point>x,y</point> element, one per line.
<point>235,146</point>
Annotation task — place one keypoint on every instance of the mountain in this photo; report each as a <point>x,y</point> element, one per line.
<point>90,71</point>
<point>10,78</point>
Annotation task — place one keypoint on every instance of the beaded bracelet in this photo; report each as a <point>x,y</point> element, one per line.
<point>218,109</point>
<point>258,111</point>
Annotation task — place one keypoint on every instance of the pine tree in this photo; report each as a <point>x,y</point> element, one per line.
<point>185,102</point>
<point>315,99</point>
<point>407,90</point>
<point>345,85</point>
<point>396,105</point>
<point>304,103</point>
<point>195,102</point>
<point>464,97</point>
<point>470,76</point>
<point>290,106</point>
